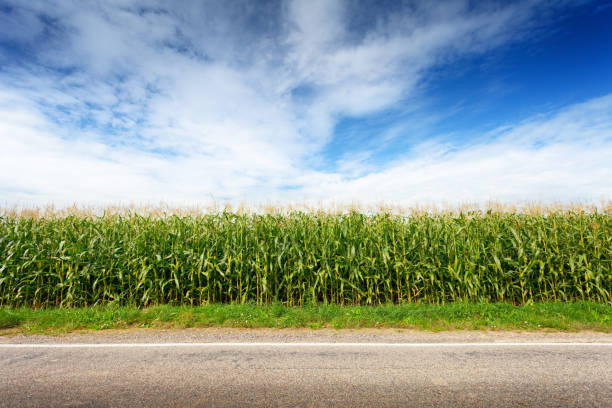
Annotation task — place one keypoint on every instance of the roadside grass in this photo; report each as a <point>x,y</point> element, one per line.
<point>563,316</point>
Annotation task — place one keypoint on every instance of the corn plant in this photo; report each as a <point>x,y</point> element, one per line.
<point>299,257</point>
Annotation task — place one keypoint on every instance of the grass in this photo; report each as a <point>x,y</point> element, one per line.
<point>298,258</point>
<point>460,315</point>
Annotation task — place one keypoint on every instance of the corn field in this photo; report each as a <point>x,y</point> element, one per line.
<point>300,257</point>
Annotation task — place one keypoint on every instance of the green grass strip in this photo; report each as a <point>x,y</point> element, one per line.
<point>568,316</point>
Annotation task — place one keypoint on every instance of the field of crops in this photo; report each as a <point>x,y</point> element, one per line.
<point>301,257</point>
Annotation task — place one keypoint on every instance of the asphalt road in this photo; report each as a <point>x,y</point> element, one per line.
<point>392,369</point>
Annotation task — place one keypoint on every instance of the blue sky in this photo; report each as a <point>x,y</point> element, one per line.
<point>320,100</point>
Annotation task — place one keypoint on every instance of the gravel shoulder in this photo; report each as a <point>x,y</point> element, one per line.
<point>302,335</point>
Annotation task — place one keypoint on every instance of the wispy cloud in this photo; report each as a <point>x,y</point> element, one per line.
<point>565,156</point>
<point>140,101</point>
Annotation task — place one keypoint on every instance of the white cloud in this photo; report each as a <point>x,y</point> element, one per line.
<point>562,157</point>
<point>133,101</point>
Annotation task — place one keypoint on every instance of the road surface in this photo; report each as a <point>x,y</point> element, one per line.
<point>227,368</point>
